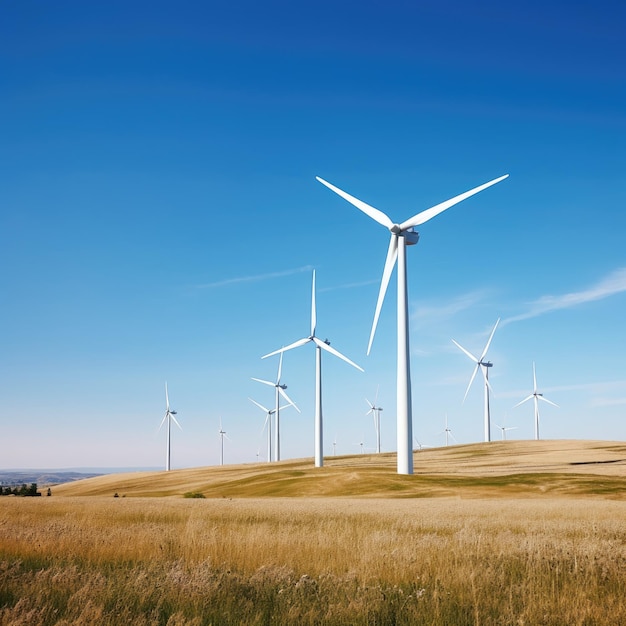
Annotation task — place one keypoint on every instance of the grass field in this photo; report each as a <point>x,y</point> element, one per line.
<point>519,533</point>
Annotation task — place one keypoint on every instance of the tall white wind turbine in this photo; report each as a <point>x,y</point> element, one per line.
<point>483,366</point>
<point>375,410</point>
<point>168,417</point>
<point>402,234</point>
<point>536,397</point>
<point>280,391</point>
<point>319,346</point>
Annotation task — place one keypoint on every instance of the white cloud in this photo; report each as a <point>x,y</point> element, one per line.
<point>613,284</point>
<point>256,277</point>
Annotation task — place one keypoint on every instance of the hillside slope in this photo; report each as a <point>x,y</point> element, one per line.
<point>503,468</point>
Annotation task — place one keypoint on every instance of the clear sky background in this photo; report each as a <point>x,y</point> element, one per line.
<point>160,220</point>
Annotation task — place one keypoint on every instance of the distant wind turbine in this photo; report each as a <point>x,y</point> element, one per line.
<point>484,366</point>
<point>402,234</point>
<point>448,432</point>
<point>168,417</point>
<point>280,391</point>
<point>375,410</point>
<point>536,397</point>
<point>268,424</point>
<point>222,434</point>
<point>319,346</point>
<point>504,429</point>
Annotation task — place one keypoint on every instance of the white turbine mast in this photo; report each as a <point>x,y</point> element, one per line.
<point>483,366</point>
<point>402,234</point>
<point>319,346</point>
<point>279,391</point>
<point>168,417</point>
<point>375,411</point>
<point>536,397</point>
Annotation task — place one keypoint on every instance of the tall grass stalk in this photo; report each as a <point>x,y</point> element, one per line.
<point>322,561</point>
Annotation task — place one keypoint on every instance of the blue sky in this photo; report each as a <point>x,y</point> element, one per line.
<point>160,220</point>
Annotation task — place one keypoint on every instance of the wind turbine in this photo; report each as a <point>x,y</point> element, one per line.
<point>169,416</point>
<point>504,429</point>
<point>483,366</point>
<point>536,396</point>
<point>268,424</point>
<point>402,234</point>
<point>375,410</point>
<point>319,346</point>
<point>448,432</point>
<point>222,434</point>
<point>280,391</point>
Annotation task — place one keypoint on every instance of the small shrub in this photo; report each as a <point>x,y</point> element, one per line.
<point>193,494</point>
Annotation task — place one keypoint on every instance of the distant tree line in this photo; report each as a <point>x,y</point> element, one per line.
<point>24,490</point>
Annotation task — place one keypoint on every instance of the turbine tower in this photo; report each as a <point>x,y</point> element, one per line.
<point>402,234</point>
<point>375,410</point>
<point>168,417</point>
<point>536,396</point>
<point>319,346</point>
<point>483,366</point>
<point>280,391</point>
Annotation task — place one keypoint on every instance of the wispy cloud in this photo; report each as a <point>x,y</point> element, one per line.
<point>255,278</point>
<point>612,284</point>
<point>602,402</point>
<point>449,309</point>
<point>363,283</point>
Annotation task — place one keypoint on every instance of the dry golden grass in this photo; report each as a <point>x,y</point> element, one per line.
<point>487,558</point>
<point>496,469</point>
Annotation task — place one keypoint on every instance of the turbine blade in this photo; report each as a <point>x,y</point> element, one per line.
<point>482,356</point>
<point>484,373</point>
<point>390,262</point>
<point>313,309</point>
<point>428,214</point>
<point>534,378</point>
<point>532,395</point>
<point>284,395</point>
<point>326,347</point>
<point>167,400</point>
<point>295,344</point>
<point>176,421</point>
<point>163,421</point>
<point>265,382</point>
<point>549,401</point>
<point>469,354</point>
<point>471,381</point>
<point>280,368</point>
<point>259,405</point>
<point>267,417</point>
<point>375,214</point>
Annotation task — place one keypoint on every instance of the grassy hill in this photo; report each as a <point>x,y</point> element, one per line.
<point>496,469</point>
